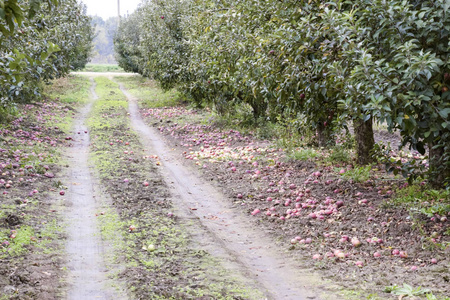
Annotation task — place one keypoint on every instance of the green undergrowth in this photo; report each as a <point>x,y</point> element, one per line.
<point>71,93</point>
<point>153,246</point>
<point>426,207</point>
<point>358,174</point>
<point>147,91</point>
<point>423,201</point>
<point>339,154</point>
<point>428,201</point>
<point>102,68</point>
<point>411,292</point>
<point>303,154</point>
<point>72,89</point>
<point>30,231</point>
<point>18,244</point>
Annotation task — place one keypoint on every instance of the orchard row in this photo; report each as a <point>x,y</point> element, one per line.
<point>39,40</point>
<point>318,66</point>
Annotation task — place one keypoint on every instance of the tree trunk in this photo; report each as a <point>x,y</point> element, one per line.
<point>324,138</point>
<point>259,109</point>
<point>364,140</point>
<point>439,170</point>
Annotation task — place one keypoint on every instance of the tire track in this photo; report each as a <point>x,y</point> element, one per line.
<point>228,230</point>
<point>87,278</point>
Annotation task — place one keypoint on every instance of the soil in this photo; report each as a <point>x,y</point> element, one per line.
<point>366,213</point>
<point>206,213</point>
<point>29,216</point>
<point>87,273</point>
<point>251,250</point>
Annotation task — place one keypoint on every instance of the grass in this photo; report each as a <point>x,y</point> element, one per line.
<point>107,113</point>
<point>358,174</point>
<point>72,89</point>
<point>49,234</point>
<point>422,201</point>
<point>102,68</point>
<point>408,291</point>
<point>339,154</point>
<point>158,240</point>
<point>303,154</point>
<point>148,92</point>
<point>18,246</point>
<point>111,227</point>
<point>427,201</point>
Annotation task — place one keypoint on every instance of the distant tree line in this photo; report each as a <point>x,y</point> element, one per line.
<point>105,31</point>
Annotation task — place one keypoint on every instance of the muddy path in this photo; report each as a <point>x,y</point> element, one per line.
<point>87,273</point>
<point>227,232</point>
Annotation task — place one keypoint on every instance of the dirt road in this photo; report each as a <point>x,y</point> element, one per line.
<point>253,253</point>
<point>142,199</point>
<point>223,232</point>
<point>87,276</point>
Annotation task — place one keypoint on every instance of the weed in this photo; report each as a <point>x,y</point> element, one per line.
<point>409,291</point>
<point>431,296</point>
<point>420,199</point>
<point>102,68</point>
<point>339,154</point>
<point>441,209</point>
<point>149,94</point>
<point>18,244</point>
<point>358,174</point>
<point>49,234</point>
<point>71,89</point>
<point>303,154</point>
<point>7,114</point>
<point>110,227</point>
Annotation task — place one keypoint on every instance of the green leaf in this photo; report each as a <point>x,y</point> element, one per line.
<point>444,113</point>
<point>17,11</point>
<point>35,5</point>
<point>44,55</point>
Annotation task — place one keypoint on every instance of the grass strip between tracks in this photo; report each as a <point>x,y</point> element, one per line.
<point>161,260</point>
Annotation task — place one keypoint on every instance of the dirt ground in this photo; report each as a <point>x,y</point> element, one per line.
<point>203,213</point>
<point>30,234</point>
<point>303,216</point>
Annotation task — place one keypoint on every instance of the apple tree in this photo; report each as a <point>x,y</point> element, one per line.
<point>127,43</point>
<point>401,54</point>
<point>39,43</point>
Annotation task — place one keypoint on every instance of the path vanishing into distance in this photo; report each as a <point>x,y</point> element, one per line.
<point>111,188</point>
<point>87,270</point>
<point>217,228</point>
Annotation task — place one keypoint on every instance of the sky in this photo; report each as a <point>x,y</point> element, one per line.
<point>108,8</point>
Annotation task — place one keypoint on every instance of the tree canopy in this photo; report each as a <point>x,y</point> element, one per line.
<point>318,64</point>
<point>39,41</point>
